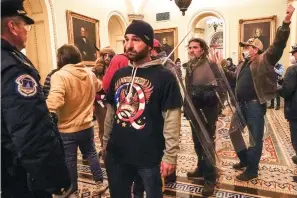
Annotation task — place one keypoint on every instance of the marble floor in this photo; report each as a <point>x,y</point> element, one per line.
<point>276,167</point>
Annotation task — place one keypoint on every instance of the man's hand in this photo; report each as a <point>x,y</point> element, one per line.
<point>103,152</point>
<point>167,169</point>
<point>289,13</point>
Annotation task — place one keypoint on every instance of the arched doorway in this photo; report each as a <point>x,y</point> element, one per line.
<point>210,26</point>
<point>116,30</point>
<point>216,45</point>
<point>39,48</point>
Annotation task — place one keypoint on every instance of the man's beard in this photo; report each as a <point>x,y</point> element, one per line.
<point>193,57</point>
<point>107,62</point>
<point>137,56</point>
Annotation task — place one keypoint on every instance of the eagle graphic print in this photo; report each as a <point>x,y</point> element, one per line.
<point>131,100</point>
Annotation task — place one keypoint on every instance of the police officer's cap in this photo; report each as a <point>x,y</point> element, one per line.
<point>14,8</point>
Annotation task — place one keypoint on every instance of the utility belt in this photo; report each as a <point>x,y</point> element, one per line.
<point>12,166</point>
<point>204,95</point>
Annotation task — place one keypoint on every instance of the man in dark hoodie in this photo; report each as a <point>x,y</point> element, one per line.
<point>289,92</point>
<point>143,118</point>
<point>231,67</point>
<point>156,52</point>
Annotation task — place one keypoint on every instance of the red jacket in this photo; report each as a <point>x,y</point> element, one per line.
<point>118,62</point>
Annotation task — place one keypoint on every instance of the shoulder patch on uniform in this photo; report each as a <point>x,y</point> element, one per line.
<point>26,85</point>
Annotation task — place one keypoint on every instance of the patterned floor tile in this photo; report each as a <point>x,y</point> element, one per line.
<point>276,168</point>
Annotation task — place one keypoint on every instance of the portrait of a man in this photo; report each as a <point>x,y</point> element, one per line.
<point>168,39</point>
<point>260,31</point>
<point>167,48</point>
<point>262,28</point>
<point>83,32</point>
<point>85,46</point>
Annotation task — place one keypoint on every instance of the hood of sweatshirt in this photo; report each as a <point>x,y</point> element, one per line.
<point>156,62</point>
<point>77,70</point>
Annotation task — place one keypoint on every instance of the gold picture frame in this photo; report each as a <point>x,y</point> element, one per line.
<point>171,35</point>
<point>83,32</point>
<point>262,28</point>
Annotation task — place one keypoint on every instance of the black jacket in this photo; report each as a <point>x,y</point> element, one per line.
<point>47,83</point>
<point>30,140</point>
<point>289,92</point>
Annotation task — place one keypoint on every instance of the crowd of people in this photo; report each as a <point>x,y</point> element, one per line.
<point>137,99</point>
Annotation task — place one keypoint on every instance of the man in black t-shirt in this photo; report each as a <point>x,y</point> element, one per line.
<point>143,118</point>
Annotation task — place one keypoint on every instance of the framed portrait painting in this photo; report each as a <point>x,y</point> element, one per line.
<point>262,28</point>
<point>168,39</point>
<point>83,32</point>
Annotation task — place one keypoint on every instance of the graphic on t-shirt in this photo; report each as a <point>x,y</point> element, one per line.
<point>131,99</point>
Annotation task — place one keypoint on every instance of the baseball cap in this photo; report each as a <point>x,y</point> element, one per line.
<point>255,42</point>
<point>157,43</point>
<point>294,49</point>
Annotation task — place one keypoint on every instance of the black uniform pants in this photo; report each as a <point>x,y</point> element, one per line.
<point>14,185</point>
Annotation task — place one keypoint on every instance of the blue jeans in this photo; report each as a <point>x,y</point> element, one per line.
<point>138,188</point>
<point>85,141</point>
<point>253,113</point>
<point>121,176</point>
<point>293,130</point>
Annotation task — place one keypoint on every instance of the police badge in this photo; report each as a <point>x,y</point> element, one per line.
<point>26,85</point>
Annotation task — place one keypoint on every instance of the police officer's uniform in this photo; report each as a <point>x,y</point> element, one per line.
<point>33,163</point>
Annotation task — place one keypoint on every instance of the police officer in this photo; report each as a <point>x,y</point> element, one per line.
<point>32,163</point>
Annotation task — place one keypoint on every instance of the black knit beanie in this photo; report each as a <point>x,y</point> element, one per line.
<point>143,30</point>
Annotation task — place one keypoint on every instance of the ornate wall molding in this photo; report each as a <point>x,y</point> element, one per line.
<point>135,17</point>
<point>52,19</point>
<point>118,14</point>
<point>34,34</point>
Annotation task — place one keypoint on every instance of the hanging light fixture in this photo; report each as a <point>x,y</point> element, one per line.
<point>215,23</point>
<point>183,5</point>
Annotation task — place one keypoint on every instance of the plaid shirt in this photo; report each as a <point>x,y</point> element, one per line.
<point>47,83</point>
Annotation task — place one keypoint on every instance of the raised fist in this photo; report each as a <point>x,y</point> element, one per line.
<point>289,12</point>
